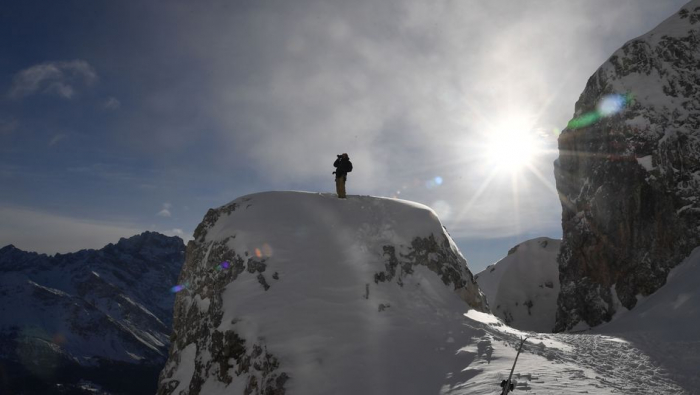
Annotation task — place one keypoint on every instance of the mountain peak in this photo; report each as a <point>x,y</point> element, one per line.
<point>290,279</point>
<point>7,248</point>
<point>147,237</point>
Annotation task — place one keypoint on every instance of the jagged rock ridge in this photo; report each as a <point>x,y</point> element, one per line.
<point>629,181</point>
<point>91,315</point>
<point>284,290</point>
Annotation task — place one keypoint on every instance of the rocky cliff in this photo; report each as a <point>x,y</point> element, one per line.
<point>85,320</point>
<point>290,292</point>
<point>629,173</point>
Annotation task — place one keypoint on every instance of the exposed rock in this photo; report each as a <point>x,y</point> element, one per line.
<point>629,173</point>
<point>439,258</point>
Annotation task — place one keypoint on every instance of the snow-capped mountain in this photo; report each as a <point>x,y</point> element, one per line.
<point>291,292</point>
<point>629,174</point>
<point>523,287</point>
<point>91,315</point>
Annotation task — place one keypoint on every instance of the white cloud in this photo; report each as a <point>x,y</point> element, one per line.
<point>61,89</point>
<point>408,96</point>
<point>48,233</point>
<point>165,212</point>
<point>57,78</point>
<point>112,103</point>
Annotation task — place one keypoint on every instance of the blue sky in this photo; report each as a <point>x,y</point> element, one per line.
<point>120,117</point>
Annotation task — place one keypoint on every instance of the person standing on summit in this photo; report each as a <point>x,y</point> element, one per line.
<point>343,166</point>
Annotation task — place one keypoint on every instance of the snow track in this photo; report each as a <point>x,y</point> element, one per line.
<point>560,364</point>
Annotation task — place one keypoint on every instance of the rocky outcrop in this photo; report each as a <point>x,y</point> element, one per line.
<point>275,284</point>
<point>92,315</point>
<point>629,173</point>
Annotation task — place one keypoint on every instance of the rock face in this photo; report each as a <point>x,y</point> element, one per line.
<point>290,292</point>
<point>93,315</point>
<point>523,287</point>
<point>629,173</point>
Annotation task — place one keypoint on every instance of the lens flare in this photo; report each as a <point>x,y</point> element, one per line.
<point>434,182</point>
<point>611,104</point>
<point>608,105</point>
<point>267,250</point>
<point>258,253</point>
<point>179,287</point>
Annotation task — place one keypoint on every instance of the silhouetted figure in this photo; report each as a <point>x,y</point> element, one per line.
<point>343,166</point>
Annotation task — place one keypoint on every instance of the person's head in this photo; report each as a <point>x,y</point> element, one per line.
<point>344,156</point>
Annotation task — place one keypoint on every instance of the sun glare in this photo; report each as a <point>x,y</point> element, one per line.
<point>510,148</point>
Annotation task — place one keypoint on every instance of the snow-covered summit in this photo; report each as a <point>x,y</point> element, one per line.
<point>522,288</point>
<point>291,292</point>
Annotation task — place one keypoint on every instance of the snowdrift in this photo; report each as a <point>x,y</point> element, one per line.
<point>301,293</point>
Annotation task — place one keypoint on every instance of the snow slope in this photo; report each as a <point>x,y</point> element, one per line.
<point>666,325</point>
<point>523,287</point>
<point>343,296</point>
<point>301,293</point>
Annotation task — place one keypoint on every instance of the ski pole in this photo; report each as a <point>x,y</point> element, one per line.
<point>507,385</point>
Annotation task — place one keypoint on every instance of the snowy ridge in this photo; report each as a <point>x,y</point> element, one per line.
<point>523,287</point>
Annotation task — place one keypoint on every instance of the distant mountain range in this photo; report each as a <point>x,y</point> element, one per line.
<point>83,322</point>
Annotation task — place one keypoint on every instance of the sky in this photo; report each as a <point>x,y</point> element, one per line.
<point>121,117</point>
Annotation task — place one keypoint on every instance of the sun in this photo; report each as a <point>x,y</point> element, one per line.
<point>510,147</point>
